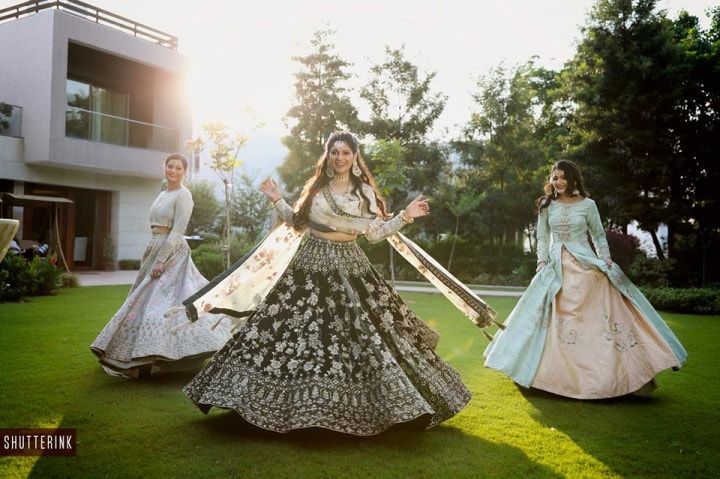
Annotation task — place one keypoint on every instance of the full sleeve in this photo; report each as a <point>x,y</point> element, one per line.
<point>379,228</point>
<point>543,236</point>
<point>285,210</point>
<point>597,233</point>
<point>181,217</point>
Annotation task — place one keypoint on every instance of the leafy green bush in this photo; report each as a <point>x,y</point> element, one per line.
<point>15,278</point>
<point>129,264</point>
<point>46,277</point>
<point>652,272</point>
<point>19,278</point>
<point>70,281</point>
<point>209,258</point>
<point>684,300</point>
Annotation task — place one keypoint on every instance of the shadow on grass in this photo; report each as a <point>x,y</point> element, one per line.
<point>636,436</point>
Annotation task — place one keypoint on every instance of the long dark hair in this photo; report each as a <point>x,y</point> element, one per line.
<point>574,179</point>
<point>320,179</point>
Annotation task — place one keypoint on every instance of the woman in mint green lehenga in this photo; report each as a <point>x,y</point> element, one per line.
<point>581,329</point>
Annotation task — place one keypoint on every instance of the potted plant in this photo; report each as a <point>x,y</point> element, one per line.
<point>108,253</point>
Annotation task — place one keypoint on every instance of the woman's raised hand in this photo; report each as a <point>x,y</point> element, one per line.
<point>270,189</point>
<point>417,208</point>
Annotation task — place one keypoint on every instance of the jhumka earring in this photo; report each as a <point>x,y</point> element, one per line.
<point>576,192</point>
<point>355,168</point>
<point>329,170</point>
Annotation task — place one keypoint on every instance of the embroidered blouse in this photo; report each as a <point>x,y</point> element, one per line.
<point>568,224</point>
<point>348,213</point>
<point>172,209</point>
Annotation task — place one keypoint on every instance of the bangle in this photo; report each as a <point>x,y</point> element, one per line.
<point>277,201</point>
<point>406,221</point>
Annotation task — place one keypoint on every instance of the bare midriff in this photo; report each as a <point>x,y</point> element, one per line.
<point>160,230</point>
<point>333,235</point>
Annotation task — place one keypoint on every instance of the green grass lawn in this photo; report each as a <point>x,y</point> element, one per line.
<point>129,428</point>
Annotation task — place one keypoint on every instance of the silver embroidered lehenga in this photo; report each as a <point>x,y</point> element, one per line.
<point>150,330</point>
<point>325,341</point>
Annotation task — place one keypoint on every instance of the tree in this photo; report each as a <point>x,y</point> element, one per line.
<point>504,150</point>
<point>626,81</point>
<point>403,107</point>
<point>249,207</point>
<point>463,201</point>
<point>224,150</point>
<point>207,208</point>
<point>323,106</point>
<point>387,161</point>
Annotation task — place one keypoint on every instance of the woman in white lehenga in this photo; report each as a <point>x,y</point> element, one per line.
<point>150,333</point>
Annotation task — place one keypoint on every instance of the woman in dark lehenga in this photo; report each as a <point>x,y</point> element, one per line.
<point>324,341</point>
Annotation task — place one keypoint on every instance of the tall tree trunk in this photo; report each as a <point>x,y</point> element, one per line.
<point>658,247</point>
<point>452,249</point>
<point>227,225</point>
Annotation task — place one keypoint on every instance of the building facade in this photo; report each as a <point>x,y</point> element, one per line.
<point>92,111</point>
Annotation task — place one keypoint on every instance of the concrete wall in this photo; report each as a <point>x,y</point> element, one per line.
<point>131,197</point>
<point>26,62</point>
<point>33,75</point>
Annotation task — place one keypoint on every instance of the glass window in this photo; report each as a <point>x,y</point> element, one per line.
<point>96,113</point>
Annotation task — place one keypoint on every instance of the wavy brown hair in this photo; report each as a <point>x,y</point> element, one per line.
<point>574,179</point>
<point>320,179</point>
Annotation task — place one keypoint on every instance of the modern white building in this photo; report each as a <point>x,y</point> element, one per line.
<point>97,102</point>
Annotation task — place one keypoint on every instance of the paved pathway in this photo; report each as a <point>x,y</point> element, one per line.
<point>100,278</point>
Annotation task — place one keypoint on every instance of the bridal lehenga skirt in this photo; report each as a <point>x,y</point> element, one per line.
<point>585,339</point>
<point>331,346</point>
<point>150,330</point>
<point>598,344</point>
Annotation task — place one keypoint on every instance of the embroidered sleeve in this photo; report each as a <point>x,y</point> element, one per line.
<point>379,229</point>
<point>597,233</point>
<point>285,210</point>
<point>543,235</point>
<point>183,209</point>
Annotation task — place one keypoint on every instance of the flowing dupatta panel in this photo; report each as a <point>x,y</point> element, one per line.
<point>456,292</point>
<point>244,285</point>
<point>237,291</point>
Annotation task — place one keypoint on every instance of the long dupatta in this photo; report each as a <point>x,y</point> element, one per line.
<point>243,286</point>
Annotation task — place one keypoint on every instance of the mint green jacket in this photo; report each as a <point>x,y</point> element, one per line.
<point>517,350</point>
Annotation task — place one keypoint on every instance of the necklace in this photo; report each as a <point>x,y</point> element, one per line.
<point>341,179</point>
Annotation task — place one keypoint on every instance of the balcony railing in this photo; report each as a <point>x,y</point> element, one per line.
<point>94,14</point>
<point>116,130</point>
<point>10,120</point>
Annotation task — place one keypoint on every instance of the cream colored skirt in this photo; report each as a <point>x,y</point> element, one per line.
<point>598,344</point>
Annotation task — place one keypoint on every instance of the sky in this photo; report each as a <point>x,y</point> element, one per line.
<point>240,52</point>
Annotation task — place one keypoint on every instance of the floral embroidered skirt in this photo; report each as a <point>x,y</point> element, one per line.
<point>332,346</point>
<point>598,345</point>
<point>150,330</point>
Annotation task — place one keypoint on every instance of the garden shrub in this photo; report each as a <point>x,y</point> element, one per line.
<point>652,272</point>
<point>129,264</point>
<point>684,300</point>
<point>19,278</point>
